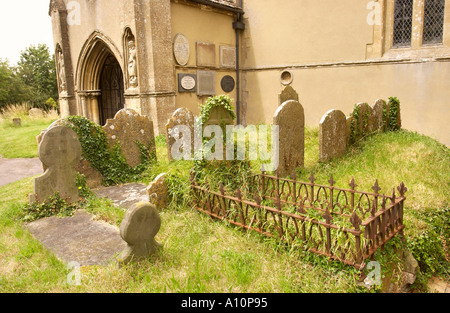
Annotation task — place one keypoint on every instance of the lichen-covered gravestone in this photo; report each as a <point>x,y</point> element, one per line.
<point>332,135</point>
<point>127,128</point>
<point>378,108</point>
<point>179,127</point>
<point>287,94</point>
<point>290,118</point>
<point>138,229</point>
<point>157,192</point>
<point>59,152</point>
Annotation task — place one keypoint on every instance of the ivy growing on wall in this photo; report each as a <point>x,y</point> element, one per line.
<point>109,161</point>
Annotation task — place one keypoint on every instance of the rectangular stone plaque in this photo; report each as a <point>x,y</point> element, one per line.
<point>227,56</point>
<point>206,83</point>
<point>187,82</point>
<point>206,54</point>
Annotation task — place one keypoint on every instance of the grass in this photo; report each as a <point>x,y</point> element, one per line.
<point>20,141</point>
<point>201,255</point>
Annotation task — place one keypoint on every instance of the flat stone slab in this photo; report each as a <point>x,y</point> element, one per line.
<point>79,238</point>
<point>12,170</point>
<point>124,196</point>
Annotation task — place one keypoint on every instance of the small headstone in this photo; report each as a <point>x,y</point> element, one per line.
<point>184,118</point>
<point>138,229</point>
<point>17,122</point>
<point>157,192</point>
<point>219,116</point>
<point>36,113</point>
<point>287,94</point>
<point>290,118</point>
<point>59,152</point>
<point>127,127</point>
<point>332,135</point>
<point>378,108</point>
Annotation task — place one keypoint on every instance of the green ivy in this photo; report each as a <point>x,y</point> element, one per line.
<point>108,161</point>
<point>355,131</point>
<point>220,100</point>
<point>394,114</point>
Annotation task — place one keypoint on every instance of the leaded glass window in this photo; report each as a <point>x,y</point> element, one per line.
<point>403,12</point>
<point>433,23</point>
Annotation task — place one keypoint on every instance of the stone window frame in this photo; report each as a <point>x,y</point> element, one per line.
<point>382,45</point>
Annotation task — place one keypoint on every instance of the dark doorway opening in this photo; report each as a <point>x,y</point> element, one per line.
<point>112,90</point>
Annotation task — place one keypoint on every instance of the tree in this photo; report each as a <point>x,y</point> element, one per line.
<point>36,68</point>
<point>12,89</point>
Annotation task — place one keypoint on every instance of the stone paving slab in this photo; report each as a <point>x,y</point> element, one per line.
<point>79,238</point>
<point>12,170</point>
<point>124,196</point>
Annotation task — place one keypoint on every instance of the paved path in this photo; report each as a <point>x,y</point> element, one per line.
<point>12,170</point>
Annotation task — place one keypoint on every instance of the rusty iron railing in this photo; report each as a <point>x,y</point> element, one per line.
<point>343,224</point>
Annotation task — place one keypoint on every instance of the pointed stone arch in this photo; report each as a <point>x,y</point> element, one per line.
<point>100,79</point>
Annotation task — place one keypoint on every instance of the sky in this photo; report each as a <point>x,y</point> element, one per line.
<point>23,23</point>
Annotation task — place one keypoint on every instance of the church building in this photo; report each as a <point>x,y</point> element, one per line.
<point>155,56</point>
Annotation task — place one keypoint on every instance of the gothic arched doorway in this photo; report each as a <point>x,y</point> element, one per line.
<point>112,89</point>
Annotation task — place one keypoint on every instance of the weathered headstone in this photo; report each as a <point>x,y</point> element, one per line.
<point>181,121</point>
<point>139,228</point>
<point>36,113</point>
<point>126,128</point>
<point>17,122</point>
<point>157,192</point>
<point>332,135</point>
<point>219,116</point>
<point>290,118</point>
<point>378,108</point>
<point>59,152</point>
<point>287,94</point>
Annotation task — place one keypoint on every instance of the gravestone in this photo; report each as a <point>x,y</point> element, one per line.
<point>138,229</point>
<point>158,192</point>
<point>365,119</point>
<point>126,128</point>
<point>332,135</point>
<point>17,122</point>
<point>59,152</point>
<point>219,116</point>
<point>378,108</point>
<point>290,118</point>
<point>181,117</point>
<point>287,94</point>
<point>36,113</point>
<point>93,177</point>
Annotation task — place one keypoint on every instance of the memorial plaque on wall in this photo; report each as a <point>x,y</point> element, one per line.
<point>181,49</point>
<point>206,83</point>
<point>187,82</point>
<point>228,83</point>
<point>227,56</point>
<point>206,54</point>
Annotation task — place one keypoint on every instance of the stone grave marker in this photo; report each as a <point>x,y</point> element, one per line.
<point>332,135</point>
<point>287,94</point>
<point>290,118</point>
<point>157,192</point>
<point>17,122</point>
<point>138,229</point>
<point>184,118</point>
<point>378,108</point>
<point>36,113</point>
<point>127,127</point>
<point>59,152</point>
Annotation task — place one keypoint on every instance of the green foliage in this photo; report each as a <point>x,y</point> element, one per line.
<point>12,89</point>
<point>109,162</point>
<point>36,68</point>
<point>54,205</point>
<point>430,247</point>
<point>394,115</point>
<point>220,100</point>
